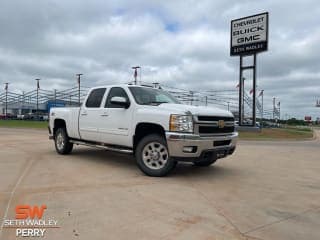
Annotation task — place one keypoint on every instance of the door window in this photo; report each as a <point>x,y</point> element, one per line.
<point>116,92</point>
<point>95,98</point>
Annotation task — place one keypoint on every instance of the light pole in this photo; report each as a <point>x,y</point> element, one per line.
<point>79,75</point>
<point>38,87</point>
<point>6,89</point>
<point>136,74</point>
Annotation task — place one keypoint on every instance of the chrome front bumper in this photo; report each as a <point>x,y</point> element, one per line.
<point>178,142</point>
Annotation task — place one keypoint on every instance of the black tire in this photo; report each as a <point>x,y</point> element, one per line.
<point>152,156</point>
<point>62,142</point>
<point>206,161</point>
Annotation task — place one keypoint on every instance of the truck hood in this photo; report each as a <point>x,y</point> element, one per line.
<point>194,110</point>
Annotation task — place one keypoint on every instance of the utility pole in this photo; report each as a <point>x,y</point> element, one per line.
<point>206,100</point>
<point>274,107</point>
<point>6,89</point>
<point>228,106</point>
<point>79,75</point>
<point>191,92</point>
<point>136,74</point>
<point>38,87</point>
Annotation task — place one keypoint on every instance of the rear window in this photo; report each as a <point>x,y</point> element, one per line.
<point>95,98</point>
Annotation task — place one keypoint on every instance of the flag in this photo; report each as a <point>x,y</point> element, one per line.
<point>251,91</point>
<point>38,85</point>
<point>238,85</point>
<point>278,104</point>
<point>6,87</point>
<point>135,73</point>
<point>261,93</point>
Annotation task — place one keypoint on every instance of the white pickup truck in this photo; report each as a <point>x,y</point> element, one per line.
<point>147,122</point>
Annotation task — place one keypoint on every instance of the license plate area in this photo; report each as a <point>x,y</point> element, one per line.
<point>221,143</point>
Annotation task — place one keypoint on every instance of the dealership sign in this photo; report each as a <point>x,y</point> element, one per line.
<point>308,118</point>
<point>249,35</point>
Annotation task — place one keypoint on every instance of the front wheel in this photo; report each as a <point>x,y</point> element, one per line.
<point>152,156</point>
<point>62,143</point>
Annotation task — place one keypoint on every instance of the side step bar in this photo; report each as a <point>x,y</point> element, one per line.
<point>105,147</point>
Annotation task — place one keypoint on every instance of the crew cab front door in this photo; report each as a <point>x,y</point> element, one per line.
<point>90,115</point>
<point>114,129</point>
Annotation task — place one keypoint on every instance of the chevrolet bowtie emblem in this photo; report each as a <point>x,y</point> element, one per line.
<point>221,123</point>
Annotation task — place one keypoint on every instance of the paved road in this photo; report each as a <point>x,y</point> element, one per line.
<point>267,190</point>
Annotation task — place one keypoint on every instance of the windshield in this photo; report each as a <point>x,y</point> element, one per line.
<point>151,96</point>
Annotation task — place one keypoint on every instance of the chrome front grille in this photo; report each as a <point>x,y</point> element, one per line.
<point>214,119</point>
<point>213,125</point>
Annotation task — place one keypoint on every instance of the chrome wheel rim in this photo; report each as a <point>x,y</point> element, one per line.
<point>155,155</point>
<point>60,141</point>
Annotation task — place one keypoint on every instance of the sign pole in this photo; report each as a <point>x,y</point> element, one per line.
<point>254,91</point>
<point>249,36</point>
<point>240,92</point>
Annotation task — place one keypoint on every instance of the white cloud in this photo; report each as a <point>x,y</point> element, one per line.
<point>178,43</point>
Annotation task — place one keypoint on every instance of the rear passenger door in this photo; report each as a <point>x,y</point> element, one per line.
<point>90,115</point>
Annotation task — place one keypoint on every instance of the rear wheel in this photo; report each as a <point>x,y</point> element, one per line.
<point>152,156</point>
<point>62,142</point>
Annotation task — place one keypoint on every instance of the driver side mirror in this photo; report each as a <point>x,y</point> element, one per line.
<point>121,101</point>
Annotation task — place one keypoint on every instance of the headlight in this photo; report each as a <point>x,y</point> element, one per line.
<point>181,123</point>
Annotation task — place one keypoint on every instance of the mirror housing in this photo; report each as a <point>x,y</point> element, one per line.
<point>121,101</point>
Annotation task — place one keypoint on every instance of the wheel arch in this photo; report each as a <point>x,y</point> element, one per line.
<point>145,128</point>
<point>59,123</point>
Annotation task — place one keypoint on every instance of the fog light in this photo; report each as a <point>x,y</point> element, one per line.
<point>190,149</point>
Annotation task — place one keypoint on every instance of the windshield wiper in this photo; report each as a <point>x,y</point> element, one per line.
<point>157,102</point>
<point>154,103</point>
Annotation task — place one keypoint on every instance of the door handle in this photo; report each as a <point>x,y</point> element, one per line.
<point>84,114</point>
<point>104,115</point>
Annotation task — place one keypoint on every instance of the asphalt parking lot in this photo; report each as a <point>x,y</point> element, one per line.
<point>266,190</point>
